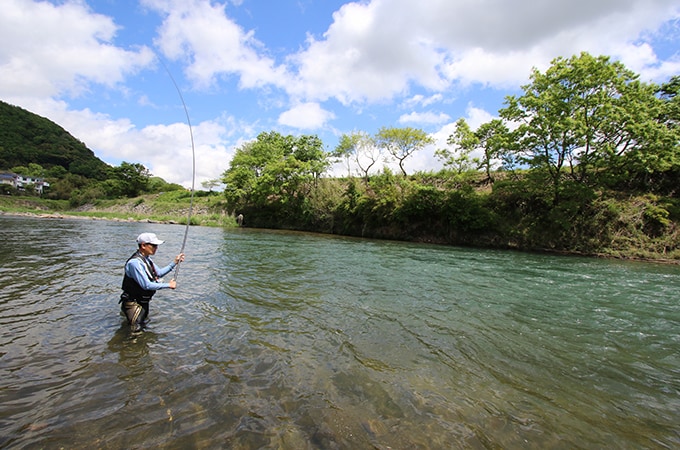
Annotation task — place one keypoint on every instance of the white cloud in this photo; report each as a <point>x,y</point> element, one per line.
<point>213,44</point>
<point>378,50</point>
<point>425,117</point>
<point>364,57</point>
<point>477,116</point>
<point>163,149</point>
<point>172,161</point>
<point>51,49</point>
<point>167,152</point>
<point>478,66</point>
<point>306,116</point>
<point>421,100</point>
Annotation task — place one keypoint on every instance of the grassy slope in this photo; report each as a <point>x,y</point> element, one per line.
<point>171,207</point>
<point>628,242</point>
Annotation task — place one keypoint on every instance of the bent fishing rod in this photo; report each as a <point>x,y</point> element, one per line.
<point>193,167</point>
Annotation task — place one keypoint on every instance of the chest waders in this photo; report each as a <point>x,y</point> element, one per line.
<point>134,301</point>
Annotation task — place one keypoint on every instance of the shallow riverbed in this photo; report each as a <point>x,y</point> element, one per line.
<point>292,340</point>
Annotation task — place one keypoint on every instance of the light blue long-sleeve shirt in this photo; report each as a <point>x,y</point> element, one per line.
<point>135,269</point>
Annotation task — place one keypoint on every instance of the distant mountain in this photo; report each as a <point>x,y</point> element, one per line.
<point>29,138</point>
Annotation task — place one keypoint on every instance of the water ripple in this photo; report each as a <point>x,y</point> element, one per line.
<point>291,340</point>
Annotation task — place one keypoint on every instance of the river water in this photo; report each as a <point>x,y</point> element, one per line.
<point>300,341</point>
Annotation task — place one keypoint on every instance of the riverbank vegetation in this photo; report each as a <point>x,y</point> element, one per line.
<point>207,208</point>
<point>586,160</point>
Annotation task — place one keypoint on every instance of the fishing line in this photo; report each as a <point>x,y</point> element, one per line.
<point>193,165</point>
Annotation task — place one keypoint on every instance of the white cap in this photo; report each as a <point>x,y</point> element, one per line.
<point>148,238</point>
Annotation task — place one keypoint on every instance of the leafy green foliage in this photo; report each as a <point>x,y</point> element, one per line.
<point>274,171</point>
<point>492,140</point>
<point>593,121</point>
<point>551,173</point>
<point>402,142</point>
<point>130,179</point>
<point>361,149</point>
<point>464,141</point>
<point>26,138</point>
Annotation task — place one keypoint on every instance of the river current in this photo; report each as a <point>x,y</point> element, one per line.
<point>299,341</point>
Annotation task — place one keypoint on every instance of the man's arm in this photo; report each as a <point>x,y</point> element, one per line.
<point>135,269</point>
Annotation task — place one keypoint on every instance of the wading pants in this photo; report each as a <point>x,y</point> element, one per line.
<point>135,312</point>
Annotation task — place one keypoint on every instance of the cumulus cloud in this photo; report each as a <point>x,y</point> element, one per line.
<point>306,116</point>
<point>364,57</point>
<point>421,100</point>
<point>171,159</point>
<point>423,118</point>
<point>378,50</point>
<point>418,59</point>
<point>164,149</point>
<point>213,45</point>
<point>52,49</point>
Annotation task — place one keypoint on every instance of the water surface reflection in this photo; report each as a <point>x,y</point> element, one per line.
<point>289,340</point>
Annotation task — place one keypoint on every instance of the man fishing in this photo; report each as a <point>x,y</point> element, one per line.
<point>142,279</point>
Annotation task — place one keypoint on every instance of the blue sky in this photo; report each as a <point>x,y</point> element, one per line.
<point>323,67</point>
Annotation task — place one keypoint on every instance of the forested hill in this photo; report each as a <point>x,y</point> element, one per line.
<point>27,138</point>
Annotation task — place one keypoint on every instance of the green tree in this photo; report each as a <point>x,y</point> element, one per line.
<point>669,93</point>
<point>133,178</point>
<point>491,140</point>
<point>464,141</point>
<point>666,151</point>
<point>158,184</point>
<point>56,172</point>
<point>345,149</point>
<point>19,170</point>
<point>645,141</point>
<point>28,138</point>
<point>32,170</point>
<point>582,113</point>
<point>109,188</point>
<point>360,148</point>
<point>308,150</point>
<point>497,145</point>
<point>273,168</point>
<point>63,188</point>
<point>402,142</point>
<point>211,184</point>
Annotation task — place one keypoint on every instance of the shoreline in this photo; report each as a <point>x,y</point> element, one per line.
<point>62,216</point>
<point>57,216</point>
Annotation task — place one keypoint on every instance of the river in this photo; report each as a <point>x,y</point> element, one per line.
<point>289,340</point>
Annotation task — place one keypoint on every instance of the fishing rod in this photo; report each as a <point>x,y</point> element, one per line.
<point>193,165</point>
